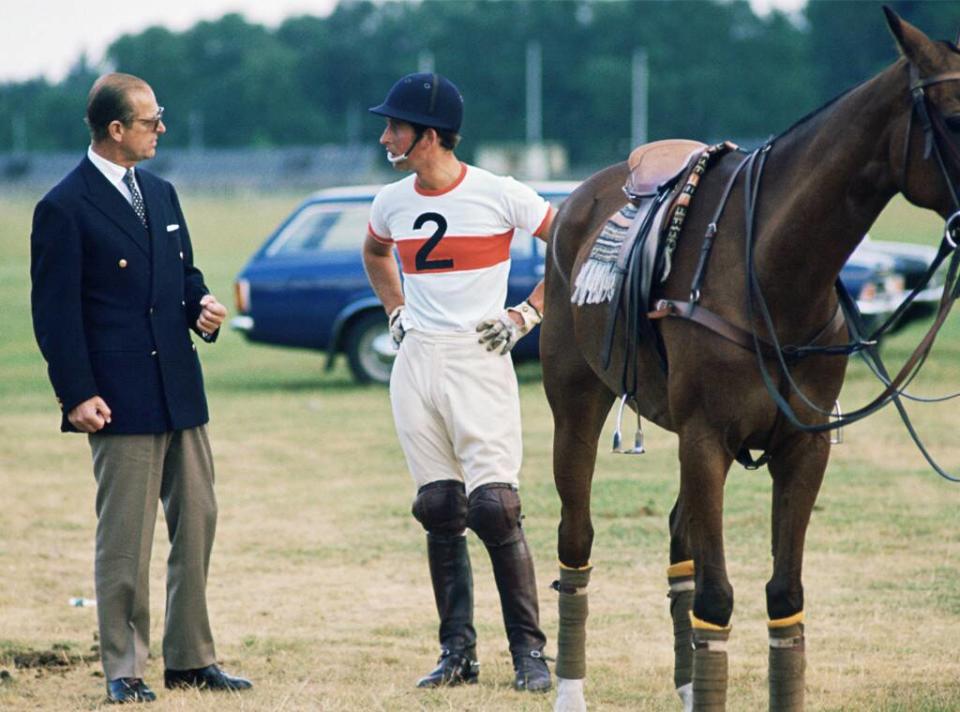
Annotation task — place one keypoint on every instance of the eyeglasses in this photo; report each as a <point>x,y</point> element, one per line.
<point>154,122</point>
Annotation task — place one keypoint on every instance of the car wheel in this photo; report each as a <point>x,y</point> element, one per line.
<point>369,348</point>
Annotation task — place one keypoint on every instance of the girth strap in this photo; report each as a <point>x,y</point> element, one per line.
<point>741,337</point>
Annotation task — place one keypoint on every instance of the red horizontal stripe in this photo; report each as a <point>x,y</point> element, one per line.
<point>466,253</point>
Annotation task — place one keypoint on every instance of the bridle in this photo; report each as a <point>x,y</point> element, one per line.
<point>936,142</point>
<point>933,128</point>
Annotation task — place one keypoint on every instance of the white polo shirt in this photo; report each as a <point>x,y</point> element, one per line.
<point>454,244</point>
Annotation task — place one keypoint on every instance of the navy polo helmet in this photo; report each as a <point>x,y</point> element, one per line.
<point>424,98</point>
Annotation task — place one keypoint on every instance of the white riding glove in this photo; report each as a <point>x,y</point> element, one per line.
<point>396,326</point>
<point>503,332</point>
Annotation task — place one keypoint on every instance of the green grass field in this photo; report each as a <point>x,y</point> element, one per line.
<point>319,588</point>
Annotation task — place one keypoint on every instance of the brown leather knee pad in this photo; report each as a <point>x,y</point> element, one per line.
<point>493,512</point>
<point>441,507</point>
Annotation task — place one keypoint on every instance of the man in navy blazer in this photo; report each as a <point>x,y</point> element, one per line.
<point>115,296</point>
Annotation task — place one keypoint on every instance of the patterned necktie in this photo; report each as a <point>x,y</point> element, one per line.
<point>137,198</point>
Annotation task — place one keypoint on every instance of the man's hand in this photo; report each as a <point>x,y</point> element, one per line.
<point>90,416</point>
<point>396,325</point>
<point>508,328</point>
<point>212,314</point>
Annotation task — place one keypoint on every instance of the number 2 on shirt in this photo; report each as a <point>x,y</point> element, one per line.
<point>423,254</point>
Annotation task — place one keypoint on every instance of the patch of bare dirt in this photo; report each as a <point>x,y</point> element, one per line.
<point>58,657</point>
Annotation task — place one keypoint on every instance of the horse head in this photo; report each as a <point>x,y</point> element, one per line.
<point>928,155</point>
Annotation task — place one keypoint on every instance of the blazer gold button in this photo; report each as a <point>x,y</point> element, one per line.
<point>181,254</point>
<point>122,264</point>
<point>153,353</point>
<point>193,346</point>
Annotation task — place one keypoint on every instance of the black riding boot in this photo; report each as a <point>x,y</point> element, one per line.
<point>517,585</point>
<point>453,590</point>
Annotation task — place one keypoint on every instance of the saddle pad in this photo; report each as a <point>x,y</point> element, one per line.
<point>639,222</point>
<point>597,279</point>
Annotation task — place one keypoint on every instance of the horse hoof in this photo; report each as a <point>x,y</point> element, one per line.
<point>570,696</point>
<point>686,696</point>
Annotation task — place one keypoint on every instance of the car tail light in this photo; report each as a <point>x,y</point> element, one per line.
<point>241,295</point>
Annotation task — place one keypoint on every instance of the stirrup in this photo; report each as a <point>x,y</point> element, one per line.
<point>837,437</point>
<point>637,448</point>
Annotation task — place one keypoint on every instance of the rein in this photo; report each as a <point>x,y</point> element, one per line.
<point>934,135</point>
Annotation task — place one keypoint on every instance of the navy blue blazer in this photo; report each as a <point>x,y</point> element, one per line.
<point>113,303</point>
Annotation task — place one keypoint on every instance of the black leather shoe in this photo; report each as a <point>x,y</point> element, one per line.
<point>533,674</point>
<point>129,689</point>
<point>208,678</point>
<point>455,667</point>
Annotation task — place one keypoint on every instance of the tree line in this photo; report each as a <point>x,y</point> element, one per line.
<point>716,70</point>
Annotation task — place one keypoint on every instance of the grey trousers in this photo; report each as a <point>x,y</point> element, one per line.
<point>133,473</point>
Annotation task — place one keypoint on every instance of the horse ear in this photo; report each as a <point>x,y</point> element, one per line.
<point>913,44</point>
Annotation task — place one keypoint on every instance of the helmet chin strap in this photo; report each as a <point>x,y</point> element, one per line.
<point>394,160</point>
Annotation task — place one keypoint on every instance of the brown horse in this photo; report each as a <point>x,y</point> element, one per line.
<point>823,184</point>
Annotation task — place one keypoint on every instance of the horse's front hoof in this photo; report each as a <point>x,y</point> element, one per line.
<point>570,696</point>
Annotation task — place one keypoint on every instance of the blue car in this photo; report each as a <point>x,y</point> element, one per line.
<point>305,287</point>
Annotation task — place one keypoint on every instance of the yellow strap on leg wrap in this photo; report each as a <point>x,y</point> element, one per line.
<point>681,568</point>
<point>704,625</point>
<point>785,622</point>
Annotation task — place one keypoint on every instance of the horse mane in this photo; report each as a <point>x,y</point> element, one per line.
<point>811,115</point>
<point>820,109</point>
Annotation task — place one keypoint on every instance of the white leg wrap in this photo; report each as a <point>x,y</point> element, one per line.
<point>570,696</point>
<point>686,696</point>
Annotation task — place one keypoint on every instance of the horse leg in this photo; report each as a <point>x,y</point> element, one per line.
<point>580,403</point>
<point>797,473</point>
<point>704,461</point>
<point>680,578</point>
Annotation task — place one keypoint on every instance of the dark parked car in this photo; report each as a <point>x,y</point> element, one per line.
<point>305,287</point>
<point>911,263</point>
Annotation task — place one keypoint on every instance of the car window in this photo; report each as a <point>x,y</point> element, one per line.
<point>323,227</point>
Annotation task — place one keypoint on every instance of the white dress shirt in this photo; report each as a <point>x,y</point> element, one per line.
<point>113,173</point>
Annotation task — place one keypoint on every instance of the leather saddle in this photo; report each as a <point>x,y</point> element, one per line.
<point>653,186</point>
<point>654,164</point>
